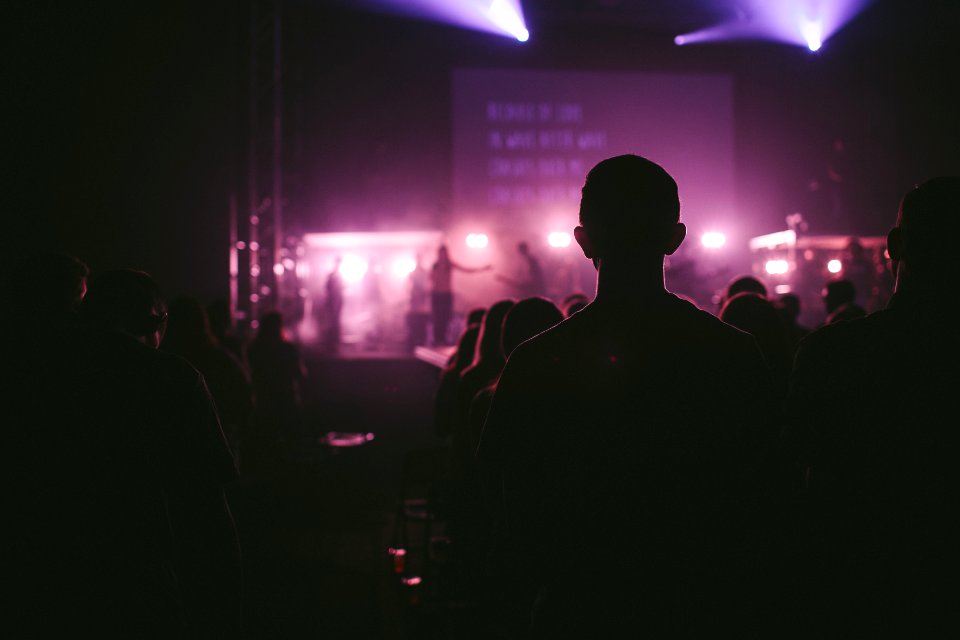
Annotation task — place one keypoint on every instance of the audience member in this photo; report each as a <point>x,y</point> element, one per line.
<point>757,316</point>
<point>188,335</point>
<point>488,361</point>
<point>221,326</point>
<point>445,402</point>
<point>120,522</point>
<point>788,306</point>
<point>744,284</point>
<point>573,303</point>
<point>873,401</point>
<point>277,372</point>
<point>441,292</point>
<point>839,299</point>
<point>626,439</point>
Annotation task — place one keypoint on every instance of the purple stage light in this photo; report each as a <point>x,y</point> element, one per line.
<point>713,239</point>
<point>502,17</point>
<point>777,267</point>
<point>558,239</point>
<point>477,240</point>
<point>807,23</point>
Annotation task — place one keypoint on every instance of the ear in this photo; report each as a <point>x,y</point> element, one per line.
<point>895,244</point>
<point>675,239</point>
<point>586,244</point>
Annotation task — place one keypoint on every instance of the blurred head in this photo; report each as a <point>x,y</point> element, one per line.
<point>629,207</point>
<point>757,316</point>
<point>927,226</point>
<point>187,327</point>
<point>271,327</point>
<point>475,316</point>
<point>837,293</point>
<point>488,344</point>
<point>128,301</point>
<point>573,303</point>
<point>789,306</point>
<point>745,284</point>
<point>526,319</point>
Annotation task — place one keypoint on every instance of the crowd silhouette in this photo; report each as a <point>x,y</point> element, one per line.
<point>616,466</point>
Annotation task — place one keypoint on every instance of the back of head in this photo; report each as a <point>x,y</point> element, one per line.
<point>188,328</point>
<point>629,205</point>
<point>526,319</point>
<point>757,316</point>
<point>475,316</point>
<point>573,303</point>
<point>929,222</point>
<point>488,345</point>
<point>839,292</point>
<point>745,284</point>
<point>465,348</point>
<point>271,328</point>
<point>789,305</point>
<point>125,299</point>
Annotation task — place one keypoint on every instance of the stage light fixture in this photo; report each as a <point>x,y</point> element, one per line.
<point>507,15</point>
<point>477,240</point>
<point>777,267</point>
<point>352,269</point>
<point>402,267</point>
<point>834,266</point>
<point>713,239</point>
<point>558,239</point>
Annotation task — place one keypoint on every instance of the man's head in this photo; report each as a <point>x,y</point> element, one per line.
<point>837,293</point>
<point>128,301</point>
<point>629,207</point>
<point>928,224</point>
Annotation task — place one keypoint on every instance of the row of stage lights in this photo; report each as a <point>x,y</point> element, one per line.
<point>807,23</point>
<point>782,267</point>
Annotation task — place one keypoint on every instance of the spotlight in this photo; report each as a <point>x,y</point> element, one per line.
<point>477,240</point>
<point>777,267</point>
<point>558,239</point>
<point>834,266</point>
<point>402,267</point>
<point>507,16</point>
<point>679,41</point>
<point>352,268</point>
<point>713,239</point>
<point>812,34</point>
<point>278,269</point>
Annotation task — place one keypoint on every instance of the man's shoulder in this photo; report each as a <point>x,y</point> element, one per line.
<point>849,335</point>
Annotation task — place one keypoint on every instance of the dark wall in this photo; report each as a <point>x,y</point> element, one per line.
<point>129,124</point>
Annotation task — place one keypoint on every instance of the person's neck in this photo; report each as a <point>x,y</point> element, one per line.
<point>631,279</point>
<point>917,287</point>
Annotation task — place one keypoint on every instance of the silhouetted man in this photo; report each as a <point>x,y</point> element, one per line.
<point>626,437</point>
<point>120,524</point>
<point>875,413</point>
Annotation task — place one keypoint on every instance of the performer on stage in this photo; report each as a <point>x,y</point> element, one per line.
<point>441,294</point>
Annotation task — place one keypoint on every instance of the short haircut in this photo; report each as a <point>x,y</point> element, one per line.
<point>929,220</point>
<point>127,298</point>
<point>628,204</point>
